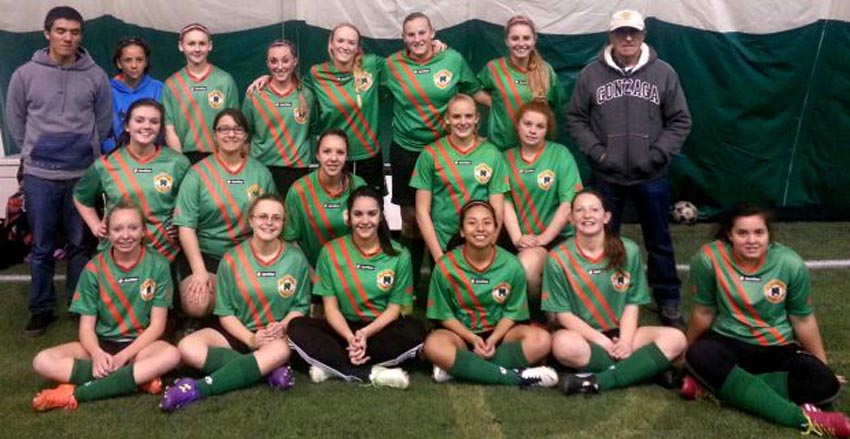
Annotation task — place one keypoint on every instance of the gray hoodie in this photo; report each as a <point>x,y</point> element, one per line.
<point>631,122</point>
<point>57,115</point>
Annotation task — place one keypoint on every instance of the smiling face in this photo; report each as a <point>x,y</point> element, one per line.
<point>462,119</point>
<point>281,62</point>
<point>144,125</point>
<point>132,63</point>
<point>520,41</point>
<point>418,37</point>
<point>332,154</point>
<point>364,218</point>
<point>531,128</point>
<point>749,237</point>
<point>626,42</point>
<point>588,215</point>
<point>229,135</point>
<point>126,229</point>
<point>195,46</point>
<point>478,227</point>
<point>344,45</point>
<point>63,40</point>
<point>267,220</point>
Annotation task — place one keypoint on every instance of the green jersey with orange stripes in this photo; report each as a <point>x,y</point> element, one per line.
<point>280,126</point>
<point>587,288</point>
<point>508,86</point>
<point>752,304</point>
<point>314,215</point>
<point>478,299</point>
<point>364,285</point>
<point>214,201</point>
<point>152,183</point>
<point>422,91</point>
<point>350,104</point>
<point>455,177</point>
<point>259,292</point>
<point>191,104</point>
<point>540,185</point>
<point>122,297</point>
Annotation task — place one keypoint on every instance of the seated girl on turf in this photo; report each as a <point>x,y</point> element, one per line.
<point>754,339</point>
<point>365,280</point>
<point>123,298</point>
<point>478,295</point>
<point>262,284</point>
<point>594,283</point>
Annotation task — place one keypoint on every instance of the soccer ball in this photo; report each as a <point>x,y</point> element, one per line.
<point>684,212</point>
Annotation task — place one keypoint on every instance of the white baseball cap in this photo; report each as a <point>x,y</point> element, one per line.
<point>626,18</point>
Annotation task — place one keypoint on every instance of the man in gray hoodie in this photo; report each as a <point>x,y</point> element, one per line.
<point>58,109</point>
<point>629,115</point>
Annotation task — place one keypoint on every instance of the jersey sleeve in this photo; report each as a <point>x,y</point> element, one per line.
<point>556,287</point>
<point>569,180</point>
<point>231,99</point>
<point>423,172</point>
<point>438,305</point>
<point>638,292</point>
<point>499,181</point>
<point>302,295</point>
<point>402,293</point>
<point>181,167</point>
<point>324,274</point>
<point>467,82</point>
<point>169,101</point>
<point>249,112</point>
<point>485,78</point>
<point>292,226</point>
<point>266,180</point>
<point>225,287</point>
<point>516,307</point>
<point>799,290</point>
<point>89,187</point>
<point>702,282</point>
<point>186,209</point>
<point>163,296</point>
<point>86,294</point>
<point>557,95</point>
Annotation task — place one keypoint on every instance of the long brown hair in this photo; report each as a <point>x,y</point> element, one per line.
<point>384,234</point>
<point>538,69</point>
<point>613,246</point>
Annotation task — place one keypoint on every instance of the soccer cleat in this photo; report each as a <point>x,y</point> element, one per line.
<point>154,386</point>
<point>394,377</point>
<point>183,392</point>
<point>822,423</point>
<point>281,378</point>
<point>579,383</point>
<point>318,374</point>
<point>691,389</point>
<point>441,376</point>
<point>541,376</point>
<point>59,397</point>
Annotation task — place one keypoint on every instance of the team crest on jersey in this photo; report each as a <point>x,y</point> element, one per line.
<point>545,179</point>
<point>501,292</point>
<point>147,289</point>
<point>163,182</point>
<point>300,115</point>
<point>364,83</point>
<point>621,281</point>
<point>286,286</point>
<point>774,291</point>
<point>442,79</point>
<point>254,191</point>
<point>386,279</point>
<point>215,99</point>
<point>483,173</point>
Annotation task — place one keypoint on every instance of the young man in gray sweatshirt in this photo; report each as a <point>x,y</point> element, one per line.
<point>58,108</point>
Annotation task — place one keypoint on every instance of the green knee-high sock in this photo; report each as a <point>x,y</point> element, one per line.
<point>472,368</point>
<point>120,382</point>
<point>599,360</point>
<point>509,354</point>
<point>81,372</point>
<point>643,364</point>
<point>778,381</point>
<point>239,373</point>
<point>217,358</point>
<point>749,393</point>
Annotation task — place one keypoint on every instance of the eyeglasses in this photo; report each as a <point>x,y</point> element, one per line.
<point>264,217</point>
<point>227,130</point>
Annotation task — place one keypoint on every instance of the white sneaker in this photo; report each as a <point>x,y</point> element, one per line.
<point>541,376</point>
<point>317,374</point>
<point>441,376</point>
<point>394,377</point>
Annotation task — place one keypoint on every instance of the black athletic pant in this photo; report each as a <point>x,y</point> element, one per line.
<point>713,357</point>
<point>319,345</point>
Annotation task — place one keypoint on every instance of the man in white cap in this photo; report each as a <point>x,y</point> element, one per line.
<point>628,114</point>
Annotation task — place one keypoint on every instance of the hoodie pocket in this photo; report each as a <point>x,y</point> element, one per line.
<point>639,155</point>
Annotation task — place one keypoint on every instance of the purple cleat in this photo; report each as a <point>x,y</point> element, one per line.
<point>281,378</point>
<point>183,392</point>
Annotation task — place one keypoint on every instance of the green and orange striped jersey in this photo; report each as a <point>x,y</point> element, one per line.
<point>585,287</point>
<point>478,299</point>
<point>214,201</point>
<point>191,104</point>
<point>122,297</point>
<point>349,104</point>
<point>455,177</point>
<point>152,183</point>
<point>541,185</point>
<point>259,292</point>
<point>752,305</point>
<point>315,216</point>
<point>364,285</point>
<point>422,91</point>
<point>509,88</point>
<point>280,129</point>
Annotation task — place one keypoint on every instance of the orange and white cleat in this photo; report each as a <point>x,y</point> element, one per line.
<point>154,386</point>
<point>60,397</point>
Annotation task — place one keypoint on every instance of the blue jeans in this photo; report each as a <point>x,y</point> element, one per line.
<point>50,205</point>
<point>652,200</point>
